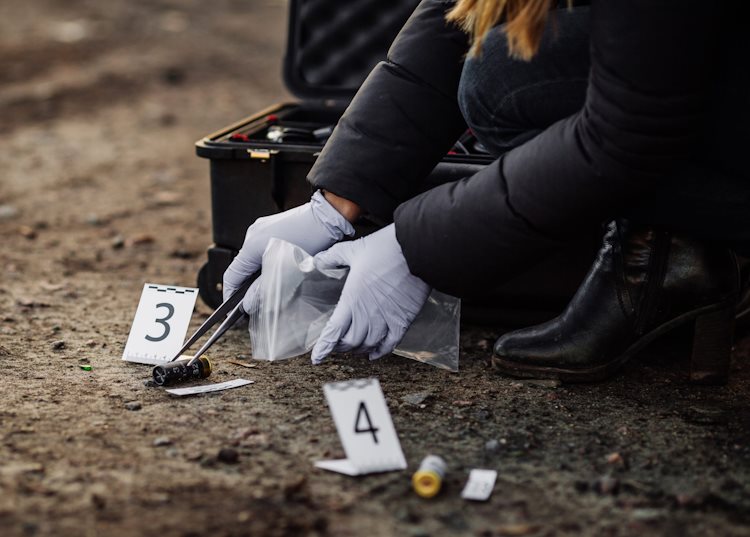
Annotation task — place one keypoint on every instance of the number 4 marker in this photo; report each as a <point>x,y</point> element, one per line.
<point>365,428</point>
<point>363,412</point>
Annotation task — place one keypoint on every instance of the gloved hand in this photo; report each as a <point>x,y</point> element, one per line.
<point>379,301</point>
<point>313,227</point>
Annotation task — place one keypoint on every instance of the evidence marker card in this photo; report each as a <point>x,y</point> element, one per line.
<point>479,486</point>
<point>160,324</point>
<point>365,428</point>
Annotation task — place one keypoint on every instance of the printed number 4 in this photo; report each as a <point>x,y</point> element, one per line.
<point>363,414</point>
<point>163,321</point>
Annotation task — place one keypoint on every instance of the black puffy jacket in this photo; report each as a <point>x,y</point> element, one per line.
<point>668,91</point>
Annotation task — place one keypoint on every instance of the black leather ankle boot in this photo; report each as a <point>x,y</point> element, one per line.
<point>642,284</point>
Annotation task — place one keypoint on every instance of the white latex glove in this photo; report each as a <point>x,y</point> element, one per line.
<point>314,226</point>
<point>379,301</point>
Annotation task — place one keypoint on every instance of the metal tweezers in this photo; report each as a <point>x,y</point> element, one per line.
<point>229,309</point>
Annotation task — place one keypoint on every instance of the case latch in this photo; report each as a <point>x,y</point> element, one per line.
<point>261,154</point>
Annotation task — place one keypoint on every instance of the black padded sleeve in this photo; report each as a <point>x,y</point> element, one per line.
<point>402,121</point>
<point>650,69</point>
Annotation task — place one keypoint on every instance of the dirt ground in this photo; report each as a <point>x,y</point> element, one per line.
<point>100,191</point>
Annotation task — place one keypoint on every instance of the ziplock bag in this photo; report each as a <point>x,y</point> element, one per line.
<point>295,299</point>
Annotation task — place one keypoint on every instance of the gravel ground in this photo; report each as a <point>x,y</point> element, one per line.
<point>100,191</point>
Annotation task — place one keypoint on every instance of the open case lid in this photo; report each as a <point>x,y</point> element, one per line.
<point>333,44</point>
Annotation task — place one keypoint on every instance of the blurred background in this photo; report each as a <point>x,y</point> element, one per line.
<point>100,104</point>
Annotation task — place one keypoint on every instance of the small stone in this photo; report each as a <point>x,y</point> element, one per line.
<point>615,459</point>
<point>71,31</point>
<point>228,456</point>
<point>174,76</point>
<point>149,383</point>
<point>133,405</point>
<point>166,198</point>
<point>141,238</point>
<point>8,212</point>
<point>180,253</point>
<point>90,343</point>
<point>93,220</point>
<point>58,345</point>
<point>98,501</point>
<point>20,468</point>
<point>27,232</point>
<point>301,417</point>
<point>647,515</point>
<point>118,242</point>
<point>162,441</point>
<point>482,414</point>
<point>492,446</point>
<point>241,434</point>
<point>462,403</point>
<point>607,485</point>
<point>416,398</point>
<point>4,351</point>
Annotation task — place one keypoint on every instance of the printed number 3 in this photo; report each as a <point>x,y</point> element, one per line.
<point>362,413</point>
<point>163,321</point>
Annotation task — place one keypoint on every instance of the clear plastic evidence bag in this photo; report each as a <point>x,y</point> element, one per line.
<point>296,299</point>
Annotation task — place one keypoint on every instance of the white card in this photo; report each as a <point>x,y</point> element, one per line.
<point>365,429</point>
<point>160,324</point>
<point>206,388</point>
<point>479,486</point>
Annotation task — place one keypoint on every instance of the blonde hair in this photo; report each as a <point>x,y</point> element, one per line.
<point>524,23</point>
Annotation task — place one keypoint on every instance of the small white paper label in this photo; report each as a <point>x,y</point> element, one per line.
<point>479,486</point>
<point>160,324</point>
<point>206,388</point>
<point>365,428</point>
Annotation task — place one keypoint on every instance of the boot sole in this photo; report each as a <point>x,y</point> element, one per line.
<point>606,370</point>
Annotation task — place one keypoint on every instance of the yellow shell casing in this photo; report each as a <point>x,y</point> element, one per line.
<point>426,483</point>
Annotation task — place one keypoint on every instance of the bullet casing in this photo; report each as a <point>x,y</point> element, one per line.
<point>178,371</point>
<point>428,479</point>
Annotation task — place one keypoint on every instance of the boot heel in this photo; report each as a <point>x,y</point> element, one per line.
<point>712,347</point>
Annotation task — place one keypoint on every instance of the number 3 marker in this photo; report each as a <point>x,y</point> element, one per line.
<point>160,324</point>
<point>163,321</point>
